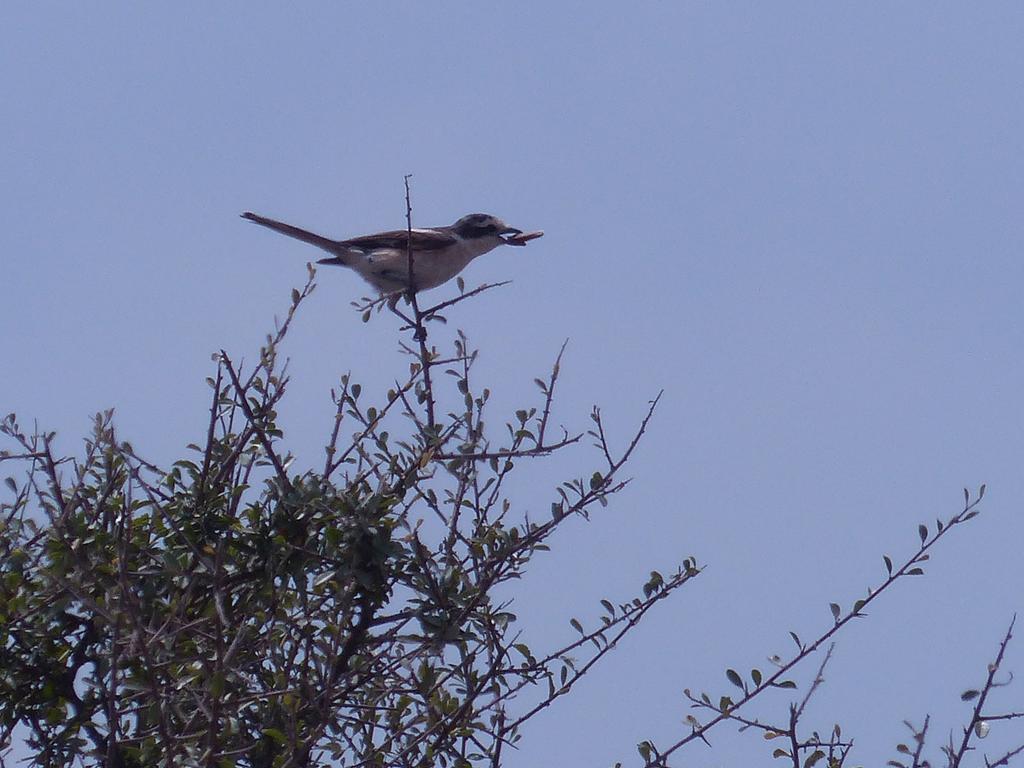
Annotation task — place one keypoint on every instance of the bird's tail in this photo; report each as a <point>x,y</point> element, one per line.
<point>342,254</point>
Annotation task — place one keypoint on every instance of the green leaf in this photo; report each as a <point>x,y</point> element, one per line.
<point>734,677</point>
<point>217,685</point>
<point>969,694</point>
<point>888,564</point>
<point>275,734</point>
<point>915,572</point>
<point>836,610</point>
<point>755,675</point>
<point>814,757</point>
<point>922,531</point>
<point>524,649</point>
<point>323,578</point>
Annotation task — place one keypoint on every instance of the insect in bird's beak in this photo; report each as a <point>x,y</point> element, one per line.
<point>518,237</point>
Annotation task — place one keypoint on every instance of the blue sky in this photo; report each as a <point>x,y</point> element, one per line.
<point>802,220</point>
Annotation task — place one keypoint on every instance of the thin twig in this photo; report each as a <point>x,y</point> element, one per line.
<point>990,683</point>
<point>772,681</point>
<point>268,446</point>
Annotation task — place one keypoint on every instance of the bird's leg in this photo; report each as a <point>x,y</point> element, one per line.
<point>395,310</point>
<point>420,334</point>
<point>415,323</point>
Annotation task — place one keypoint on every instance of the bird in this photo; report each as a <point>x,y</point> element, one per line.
<point>382,259</point>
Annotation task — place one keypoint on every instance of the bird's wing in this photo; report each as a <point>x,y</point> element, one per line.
<point>398,240</point>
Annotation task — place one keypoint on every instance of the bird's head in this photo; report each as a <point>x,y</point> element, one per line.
<point>482,225</point>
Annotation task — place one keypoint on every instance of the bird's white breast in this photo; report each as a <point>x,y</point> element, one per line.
<point>388,268</point>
